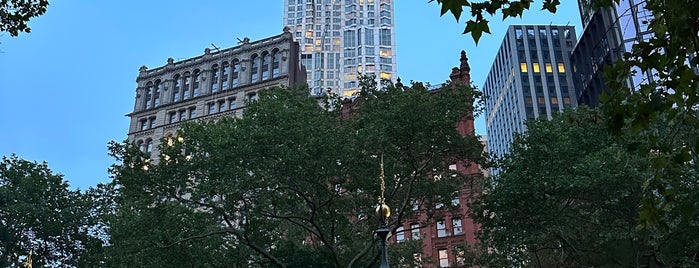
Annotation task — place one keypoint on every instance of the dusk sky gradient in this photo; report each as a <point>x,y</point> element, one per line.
<point>66,87</point>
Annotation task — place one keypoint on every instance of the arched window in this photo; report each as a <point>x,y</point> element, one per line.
<point>254,76</point>
<point>224,75</point>
<point>235,73</point>
<point>176,90</point>
<point>195,85</point>
<point>149,95</point>
<point>185,88</point>
<point>149,145</point>
<point>158,90</point>
<point>141,146</point>
<point>266,60</point>
<point>214,78</point>
<point>276,59</point>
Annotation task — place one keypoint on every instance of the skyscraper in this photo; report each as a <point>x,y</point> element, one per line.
<point>343,38</point>
<point>608,33</point>
<point>530,77</point>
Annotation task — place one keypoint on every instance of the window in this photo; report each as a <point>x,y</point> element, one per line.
<point>158,90</point>
<point>231,103</point>
<point>554,100</point>
<point>152,122</point>
<point>214,78</point>
<point>149,95</point>
<point>566,100</point>
<point>192,113</point>
<point>415,205</point>
<point>350,38</point>
<point>385,37</point>
<point>549,69</point>
<point>176,90</point>
<point>252,96</point>
<point>266,60</point>
<point>443,258</point>
<point>235,73</point>
<point>275,63</point>
<point>415,231</point>
<point>254,76</point>
<point>185,88</point>
<point>225,72</point>
<point>456,226</point>
<point>535,66</point>
<point>173,117</point>
<point>212,108</point>
<point>183,115</point>
<point>518,33</point>
<point>144,124</point>
<point>195,85</point>
<point>561,68</point>
<point>523,67</point>
<point>455,202</point>
<point>141,146</point>
<point>149,146</point>
<point>400,234</point>
<point>221,106</point>
<point>441,228</point>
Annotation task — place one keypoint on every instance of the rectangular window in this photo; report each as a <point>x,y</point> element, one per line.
<point>152,122</point>
<point>173,117</point>
<point>518,33</point>
<point>183,115</point>
<point>456,226</point>
<point>554,100</point>
<point>385,37</point>
<point>523,67</point>
<point>535,66</point>
<point>144,124</point>
<point>231,104</point>
<point>212,108</point>
<point>415,231</point>
<point>400,234</point>
<point>561,68</point>
<point>192,113</point>
<point>443,258</point>
<point>221,106</point>
<point>549,69</point>
<point>441,228</point>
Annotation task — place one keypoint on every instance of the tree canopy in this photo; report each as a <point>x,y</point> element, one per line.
<point>294,182</point>
<point>15,14</point>
<point>39,214</point>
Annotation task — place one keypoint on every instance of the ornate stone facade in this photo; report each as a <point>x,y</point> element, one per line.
<point>217,83</point>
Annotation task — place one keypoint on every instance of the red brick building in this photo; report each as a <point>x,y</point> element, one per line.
<point>444,238</point>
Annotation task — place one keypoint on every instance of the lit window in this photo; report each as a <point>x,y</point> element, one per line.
<point>415,231</point>
<point>561,68</point>
<point>554,100</point>
<point>523,67</point>
<point>540,100</point>
<point>456,226</point>
<point>535,66</point>
<point>400,234</point>
<point>549,69</point>
<point>566,100</point>
<point>443,258</point>
<point>385,75</point>
<point>441,228</point>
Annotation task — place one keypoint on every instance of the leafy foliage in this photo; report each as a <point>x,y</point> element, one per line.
<point>292,183</point>
<point>39,213</point>
<point>567,196</point>
<point>15,14</point>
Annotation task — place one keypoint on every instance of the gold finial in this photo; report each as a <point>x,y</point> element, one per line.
<point>382,210</point>
<point>28,262</point>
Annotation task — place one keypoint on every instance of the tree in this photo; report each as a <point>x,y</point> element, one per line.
<point>39,214</point>
<point>567,196</point>
<point>15,14</point>
<point>294,183</point>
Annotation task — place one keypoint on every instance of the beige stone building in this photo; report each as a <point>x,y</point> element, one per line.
<point>217,83</point>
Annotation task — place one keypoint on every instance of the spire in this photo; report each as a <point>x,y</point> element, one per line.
<point>464,62</point>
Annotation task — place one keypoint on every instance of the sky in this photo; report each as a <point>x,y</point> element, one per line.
<point>66,87</point>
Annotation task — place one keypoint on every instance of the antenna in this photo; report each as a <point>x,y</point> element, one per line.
<point>216,48</point>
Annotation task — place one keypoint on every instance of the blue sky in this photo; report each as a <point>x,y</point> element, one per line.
<point>66,87</point>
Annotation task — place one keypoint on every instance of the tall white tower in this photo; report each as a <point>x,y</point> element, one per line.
<point>343,38</point>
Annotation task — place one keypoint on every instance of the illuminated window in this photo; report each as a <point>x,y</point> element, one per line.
<point>535,66</point>
<point>523,67</point>
<point>443,258</point>
<point>385,75</point>
<point>554,100</point>
<point>540,100</point>
<point>566,100</point>
<point>561,68</point>
<point>549,69</point>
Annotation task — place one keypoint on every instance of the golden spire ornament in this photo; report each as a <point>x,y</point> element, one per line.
<point>28,262</point>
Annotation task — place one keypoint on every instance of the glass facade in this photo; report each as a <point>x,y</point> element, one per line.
<point>529,78</point>
<point>340,39</point>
